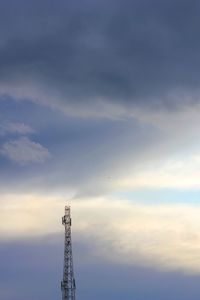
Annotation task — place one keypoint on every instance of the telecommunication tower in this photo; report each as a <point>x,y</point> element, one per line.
<point>68,286</point>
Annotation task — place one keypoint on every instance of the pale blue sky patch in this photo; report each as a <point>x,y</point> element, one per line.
<point>161,196</point>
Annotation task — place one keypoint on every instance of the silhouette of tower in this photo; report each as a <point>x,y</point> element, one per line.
<point>68,286</point>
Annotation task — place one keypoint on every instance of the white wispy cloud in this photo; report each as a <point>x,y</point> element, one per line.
<point>165,237</point>
<point>24,151</point>
<point>15,127</point>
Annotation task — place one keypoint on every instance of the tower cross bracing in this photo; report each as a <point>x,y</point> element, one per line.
<point>68,286</point>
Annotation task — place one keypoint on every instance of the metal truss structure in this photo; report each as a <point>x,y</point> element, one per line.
<point>68,286</point>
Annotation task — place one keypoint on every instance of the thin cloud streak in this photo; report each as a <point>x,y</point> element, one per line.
<point>15,128</point>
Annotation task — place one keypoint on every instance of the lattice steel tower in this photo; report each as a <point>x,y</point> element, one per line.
<point>68,286</point>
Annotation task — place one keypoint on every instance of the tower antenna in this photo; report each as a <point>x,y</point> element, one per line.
<point>68,285</point>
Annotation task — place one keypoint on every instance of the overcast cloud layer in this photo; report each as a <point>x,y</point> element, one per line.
<point>101,57</point>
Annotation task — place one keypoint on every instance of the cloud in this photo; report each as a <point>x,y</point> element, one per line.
<point>96,157</point>
<point>15,128</point>
<point>101,156</point>
<point>41,259</point>
<point>24,151</point>
<point>101,59</point>
<point>164,237</point>
<point>178,173</point>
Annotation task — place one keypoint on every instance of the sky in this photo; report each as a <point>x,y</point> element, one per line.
<point>99,110</point>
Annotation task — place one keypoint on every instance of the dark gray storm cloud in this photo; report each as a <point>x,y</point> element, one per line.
<point>126,52</point>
